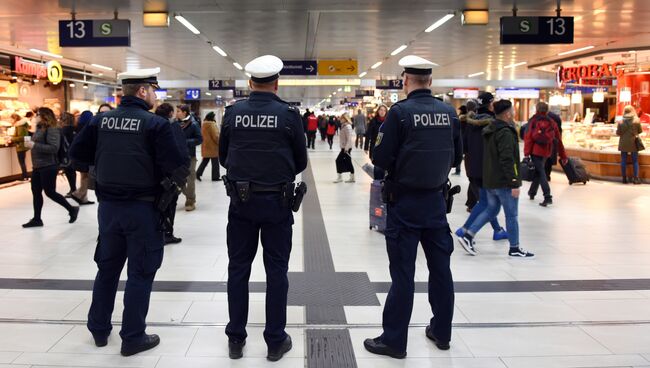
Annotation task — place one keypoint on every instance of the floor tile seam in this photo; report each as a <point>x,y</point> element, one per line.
<point>187,311</point>
<point>187,351</point>
<point>75,308</point>
<point>60,339</point>
<point>584,330</point>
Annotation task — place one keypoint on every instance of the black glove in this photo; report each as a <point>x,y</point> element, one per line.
<point>180,175</point>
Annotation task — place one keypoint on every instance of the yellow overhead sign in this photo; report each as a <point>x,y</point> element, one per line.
<point>337,67</point>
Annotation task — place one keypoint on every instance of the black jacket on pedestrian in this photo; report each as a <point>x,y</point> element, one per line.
<point>371,135</point>
<point>473,142</point>
<point>193,135</point>
<point>501,156</point>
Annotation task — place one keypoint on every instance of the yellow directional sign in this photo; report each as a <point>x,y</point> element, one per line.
<point>338,67</point>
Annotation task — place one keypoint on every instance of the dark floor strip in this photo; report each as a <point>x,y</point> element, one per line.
<point>302,292</point>
<point>317,253</point>
<point>329,349</point>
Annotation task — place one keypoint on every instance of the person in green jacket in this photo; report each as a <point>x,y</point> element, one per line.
<point>21,130</point>
<point>500,178</point>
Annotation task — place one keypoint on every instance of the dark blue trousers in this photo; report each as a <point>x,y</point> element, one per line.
<point>416,219</point>
<point>127,231</point>
<point>262,216</point>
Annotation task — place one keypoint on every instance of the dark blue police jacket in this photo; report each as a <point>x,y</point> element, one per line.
<point>131,149</point>
<point>419,142</point>
<point>262,141</point>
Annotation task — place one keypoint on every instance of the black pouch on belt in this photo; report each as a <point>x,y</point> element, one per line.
<point>243,190</point>
<point>287,194</point>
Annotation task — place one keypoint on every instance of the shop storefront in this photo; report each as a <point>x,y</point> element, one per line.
<point>591,99</point>
<point>24,85</point>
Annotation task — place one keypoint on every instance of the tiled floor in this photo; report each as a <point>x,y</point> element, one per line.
<point>598,231</point>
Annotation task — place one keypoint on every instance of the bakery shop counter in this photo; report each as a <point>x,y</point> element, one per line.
<point>606,165</point>
<point>9,166</point>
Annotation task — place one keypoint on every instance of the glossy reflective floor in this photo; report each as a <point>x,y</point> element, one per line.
<point>507,312</point>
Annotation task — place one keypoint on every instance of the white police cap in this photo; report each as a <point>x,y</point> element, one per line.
<point>265,69</point>
<point>416,65</point>
<point>140,76</point>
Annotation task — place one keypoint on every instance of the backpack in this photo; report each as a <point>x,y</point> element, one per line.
<point>542,131</point>
<point>62,156</point>
<point>312,123</point>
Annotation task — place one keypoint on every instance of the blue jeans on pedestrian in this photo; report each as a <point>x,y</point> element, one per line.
<point>635,163</point>
<point>495,199</point>
<point>479,208</point>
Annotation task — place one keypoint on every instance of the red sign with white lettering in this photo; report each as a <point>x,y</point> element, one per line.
<point>589,72</point>
<point>22,66</point>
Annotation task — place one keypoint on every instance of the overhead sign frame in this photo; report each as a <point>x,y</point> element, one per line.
<point>338,67</point>
<point>537,30</point>
<point>95,33</point>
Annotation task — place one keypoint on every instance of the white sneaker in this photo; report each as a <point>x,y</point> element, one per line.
<point>520,253</point>
<point>351,180</point>
<point>339,179</point>
<point>467,243</point>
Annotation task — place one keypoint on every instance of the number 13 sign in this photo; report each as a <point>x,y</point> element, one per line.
<point>94,33</point>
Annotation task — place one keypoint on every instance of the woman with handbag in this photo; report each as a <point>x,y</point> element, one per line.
<point>344,160</point>
<point>630,143</point>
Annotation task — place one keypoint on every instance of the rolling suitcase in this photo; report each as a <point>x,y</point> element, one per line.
<point>377,207</point>
<point>576,171</point>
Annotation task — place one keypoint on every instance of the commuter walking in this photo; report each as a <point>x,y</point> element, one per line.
<point>359,128</point>
<point>193,138</point>
<point>373,129</point>
<point>474,163</point>
<point>344,160</point>
<point>166,111</point>
<point>44,146</point>
<point>311,128</point>
<point>501,180</point>
<point>261,163</point>
<point>322,126</point>
<point>542,135</point>
<point>629,143</point>
<point>331,130</point>
<point>133,150</point>
<point>552,161</point>
<point>418,156</point>
<point>209,148</point>
<point>21,130</point>
<point>81,194</point>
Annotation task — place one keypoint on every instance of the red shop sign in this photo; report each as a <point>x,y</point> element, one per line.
<point>595,71</point>
<point>26,67</point>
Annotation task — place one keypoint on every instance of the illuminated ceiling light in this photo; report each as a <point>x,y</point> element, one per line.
<point>71,84</point>
<point>36,80</point>
<point>598,96</point>
<point>248,75</point>
<point>514,65</point>
<point>599,11</point>
<point>475,17</point>
<point>475,74</point>
<point>208,94</point>
<point>157,19</point>
<point>576,97</point>
<point>187,24</point>
<point>238,66</point>
<point>625,95</point>
<point>439,22</point>
<point>102,67</point>
<point>219,50</point>
<point>398,50</point>
<point>363,74</point>
<point>340,89</point>
<point>85,86</point>
<point>576,50</point>
<point>46,53</point>
<point>376,65</point>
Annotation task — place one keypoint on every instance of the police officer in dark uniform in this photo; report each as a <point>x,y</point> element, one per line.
<point>262,145</point>
<point>132,151</point>
<point>418,144</point>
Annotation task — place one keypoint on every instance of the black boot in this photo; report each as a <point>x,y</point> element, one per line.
<point>625,180</point>
<point>276,354</point>
<point>100,341</point>
<point>375,346</point>
<point>33,223</point>
<point>442,345</point>
<point>236,349</point>
<point>547,202</point>
<point>149,342</point>
<point>74,213</point>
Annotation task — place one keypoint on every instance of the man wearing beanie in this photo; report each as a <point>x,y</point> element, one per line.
<point>501,178</point>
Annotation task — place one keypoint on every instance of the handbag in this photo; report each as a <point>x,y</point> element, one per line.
<point>527,169</point>
<point>639,144</point>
